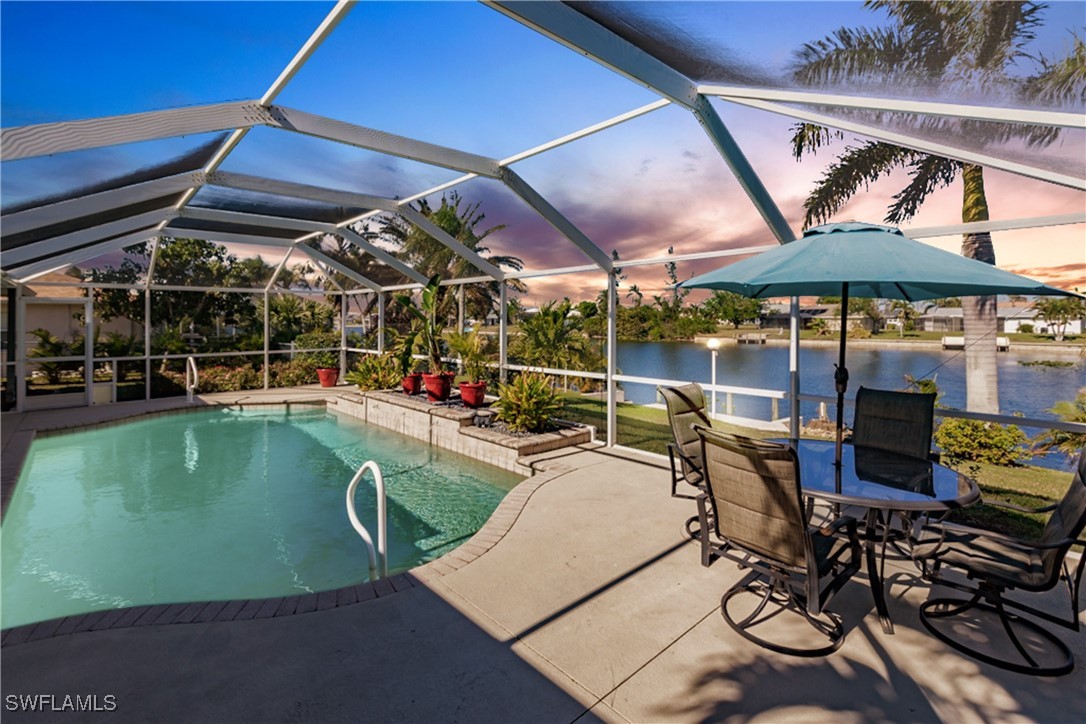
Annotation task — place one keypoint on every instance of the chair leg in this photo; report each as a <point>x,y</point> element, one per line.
<point>939,608</point>
<point>779,593</point>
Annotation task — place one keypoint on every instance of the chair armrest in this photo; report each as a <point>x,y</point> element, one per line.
<point>673,449</point>
<point>1012,506</point>
<point>835,525</point>
<point>1001,537</point>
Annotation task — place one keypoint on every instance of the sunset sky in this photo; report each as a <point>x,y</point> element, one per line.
<point>463,75</point>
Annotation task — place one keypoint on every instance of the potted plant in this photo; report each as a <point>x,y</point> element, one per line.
<point>375,372</point>
<point>428,326</point>
<point>327,361</point>
<point>472,350</point>
<point>410,380</point>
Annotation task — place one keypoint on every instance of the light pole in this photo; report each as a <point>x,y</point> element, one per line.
<point>713,343</point>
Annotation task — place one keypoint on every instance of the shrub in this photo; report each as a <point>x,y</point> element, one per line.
<point>985,442</point>
<point>859,332</point>
<point>1025,328</point>
<point>292,373</point>
<point>375,372</point>
<point>316,340</point>
<point>527,403</point>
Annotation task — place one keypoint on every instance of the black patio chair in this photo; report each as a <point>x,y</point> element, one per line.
<point>998,563</point>
<point>760,522</point>
<point>900,422</point>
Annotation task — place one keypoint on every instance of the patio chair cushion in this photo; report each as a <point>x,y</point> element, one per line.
<point>686,408</point>
<point>900,422</point>
<point>988,558</point>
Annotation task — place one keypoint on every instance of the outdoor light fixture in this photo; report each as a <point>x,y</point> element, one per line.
<point>713,343</point>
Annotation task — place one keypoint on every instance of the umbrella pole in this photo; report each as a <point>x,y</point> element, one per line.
<point>840,376</point>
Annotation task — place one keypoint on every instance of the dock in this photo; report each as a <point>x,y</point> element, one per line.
<point>1003,344</point>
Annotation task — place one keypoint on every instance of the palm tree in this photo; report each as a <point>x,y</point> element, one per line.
<point>430,256</point>
<point>959,44</point>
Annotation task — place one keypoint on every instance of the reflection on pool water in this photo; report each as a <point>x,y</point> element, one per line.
<point>215,505</point>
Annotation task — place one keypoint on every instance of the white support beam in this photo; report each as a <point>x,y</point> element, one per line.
<point>62,261</point>
<point>433,230</point>
<point>572,29</point>
<point>46,139</point>
<point>603,125</point>
<point>553,217</point>
<point>750,181</point>
<point>314,227</point>
<point>612,359</point>
<point>331,20</point>
<point>333,264</point>
<point>246,182</point>
<point>278,270</point>
<point>225,237</point>
<point>69,242</point>
<point>382,255</point>
<point>953,110</point>
<point>374,140</point>
<point>578,32</point>
<point>64,211</point>
<point>900,139</point>
<point>977,227</point>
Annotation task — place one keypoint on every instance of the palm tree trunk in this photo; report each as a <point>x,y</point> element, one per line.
<point>979,313</point>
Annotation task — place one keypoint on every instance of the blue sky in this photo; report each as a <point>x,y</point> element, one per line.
<point>462,75</point>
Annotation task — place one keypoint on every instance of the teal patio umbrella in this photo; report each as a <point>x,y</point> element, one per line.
<point>863,260</point>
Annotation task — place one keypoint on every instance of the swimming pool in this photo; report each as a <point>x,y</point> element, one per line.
<point>224,504</point>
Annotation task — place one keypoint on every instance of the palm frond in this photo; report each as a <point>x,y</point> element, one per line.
<point>809,137</point>
<point>928,173</point>
<point>858,167</point>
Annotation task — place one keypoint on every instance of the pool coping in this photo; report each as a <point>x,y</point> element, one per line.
<point>493,531</point>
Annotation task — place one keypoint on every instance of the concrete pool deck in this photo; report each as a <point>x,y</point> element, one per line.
<point>590,606</point>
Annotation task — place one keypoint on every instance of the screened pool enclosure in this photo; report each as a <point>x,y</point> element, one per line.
<point>254,180</point>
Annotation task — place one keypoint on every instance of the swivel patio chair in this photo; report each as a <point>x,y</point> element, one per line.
<point>897,422</point>
<point>997,563</point>
<point>760,523</point>
<point>900,422</point>
<point>685,408</point>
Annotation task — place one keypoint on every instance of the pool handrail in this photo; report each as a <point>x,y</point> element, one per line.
<point>352,515</point>
<point>190,370</point>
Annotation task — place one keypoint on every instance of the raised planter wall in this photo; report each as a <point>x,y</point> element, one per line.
<point>454,429</point>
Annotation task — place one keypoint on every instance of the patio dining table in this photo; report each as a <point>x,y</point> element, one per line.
<point>882,483</point>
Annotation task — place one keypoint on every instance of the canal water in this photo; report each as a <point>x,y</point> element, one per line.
<point>1027,389</point>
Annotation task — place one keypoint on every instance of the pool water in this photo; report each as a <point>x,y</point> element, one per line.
<point>216,505</point>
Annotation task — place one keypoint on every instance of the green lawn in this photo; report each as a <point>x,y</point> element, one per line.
<point>646,428</point>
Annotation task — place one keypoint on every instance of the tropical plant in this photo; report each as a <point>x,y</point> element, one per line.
<point>428,323</point>
<point>462,221</point>
<point>49,345</point>
<point>553,338</point>
<point>375,372</point>
<point>955,44</point>
<point>1071,444</point>
<point>528,402</point>
<point>1058,312</point>
<point>473,350</point>
<point>906,314</point>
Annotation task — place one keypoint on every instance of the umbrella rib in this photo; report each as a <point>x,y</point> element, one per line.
<point>904,294</point>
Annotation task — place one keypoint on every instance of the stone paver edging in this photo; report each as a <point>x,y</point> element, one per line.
<point>498,525</point>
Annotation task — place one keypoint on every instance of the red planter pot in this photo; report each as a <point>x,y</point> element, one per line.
<point>412,383</point>
<point>328,376</point>
<point>437,386</point>
<point>473,393</point>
